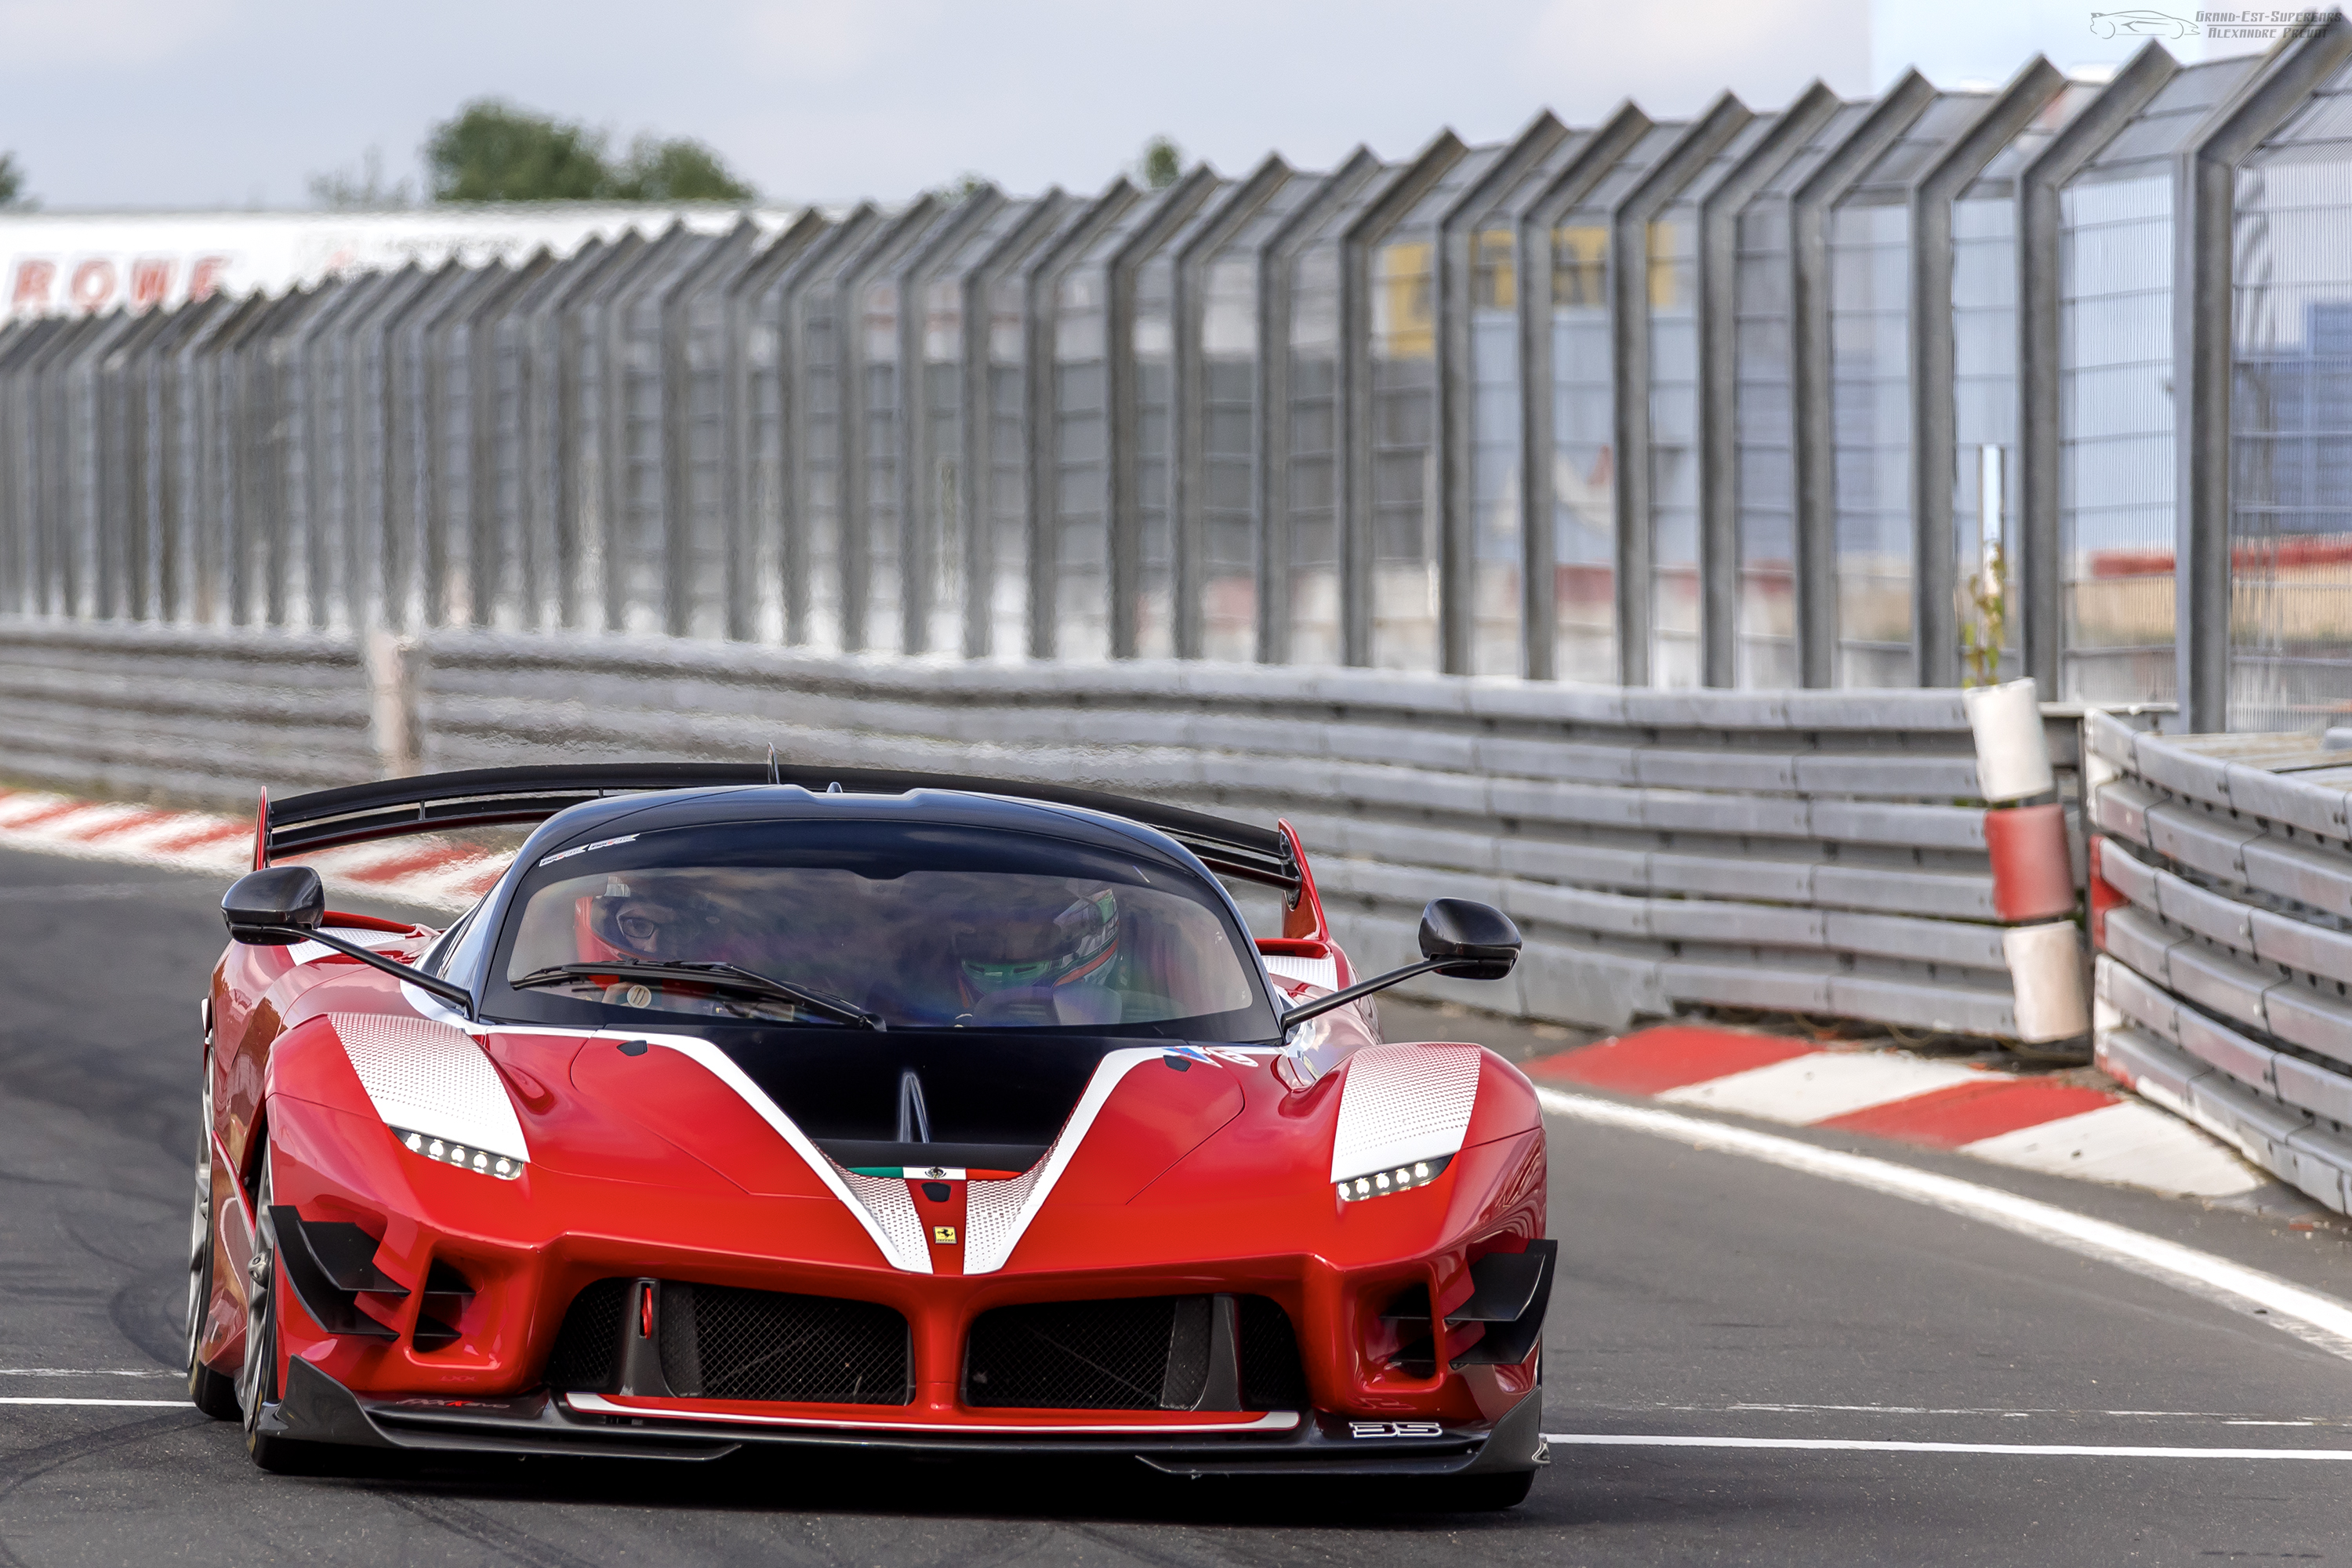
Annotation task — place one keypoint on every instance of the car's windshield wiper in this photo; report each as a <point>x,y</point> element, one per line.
<point>718,976</point>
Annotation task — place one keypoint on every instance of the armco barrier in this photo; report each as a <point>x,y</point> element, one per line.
<point>2222,913</point>
<point>1810,852</point>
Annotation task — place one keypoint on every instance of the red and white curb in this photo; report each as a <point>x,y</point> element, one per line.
<point>433,873</point>
<point>2031,1123</point>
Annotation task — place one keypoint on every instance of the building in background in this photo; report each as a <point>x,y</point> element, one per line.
<point>71,263</point>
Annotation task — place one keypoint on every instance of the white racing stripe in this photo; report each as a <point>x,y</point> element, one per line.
<point>1872,1446</point>
<point>2317,1319</point>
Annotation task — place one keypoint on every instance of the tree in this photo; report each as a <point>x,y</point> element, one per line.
<point>1162,163</point>
<point>12,181</point>
<point>495,151</point>
<point>341,190</point>
<point>679,170</point>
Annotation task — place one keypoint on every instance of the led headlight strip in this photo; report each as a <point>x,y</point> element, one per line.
<point>448,1152</point>
<point>1401,1178</point>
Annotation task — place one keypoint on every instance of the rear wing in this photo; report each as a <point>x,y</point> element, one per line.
<point>485,798</point>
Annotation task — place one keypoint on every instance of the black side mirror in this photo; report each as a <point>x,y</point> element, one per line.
<point>1467,941</point>
<point>1458,938</point>
<point>265,908</point>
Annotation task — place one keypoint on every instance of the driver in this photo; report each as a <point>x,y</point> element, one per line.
<point>641,917</point>
<point>1041,950</point>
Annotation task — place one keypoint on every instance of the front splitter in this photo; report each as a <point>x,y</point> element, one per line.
<point>318,1409</point>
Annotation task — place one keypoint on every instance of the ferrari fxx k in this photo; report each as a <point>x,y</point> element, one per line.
<point>773,1106</point>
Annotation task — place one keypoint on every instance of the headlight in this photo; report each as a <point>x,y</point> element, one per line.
<point>504,1167</point>
<point>1401,1178</point>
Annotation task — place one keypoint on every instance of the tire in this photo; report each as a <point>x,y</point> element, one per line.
<point>257,1381</point>
<point>211,1392</point>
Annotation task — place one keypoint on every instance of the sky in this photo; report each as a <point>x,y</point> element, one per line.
<point>239,103</point>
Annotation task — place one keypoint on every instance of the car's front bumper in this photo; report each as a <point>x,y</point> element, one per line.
<point>317,1408</point>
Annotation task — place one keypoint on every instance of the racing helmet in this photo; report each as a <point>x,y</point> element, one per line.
<point>649,917</point>
<point>1040,948</point>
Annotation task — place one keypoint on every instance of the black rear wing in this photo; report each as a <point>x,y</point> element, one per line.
<point>486,798</point>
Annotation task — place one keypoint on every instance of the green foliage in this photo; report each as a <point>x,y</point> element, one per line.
<point>12,181</point>
<point>1986,627</point>
<point>681,170</point>
<point>341,190</point>
<point>959,188</point>
<point>495,151</point>
<point>1162,163</point>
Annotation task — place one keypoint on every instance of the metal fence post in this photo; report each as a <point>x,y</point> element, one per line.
<point>745,506</point>
<point>1718,376</point>
<point>1533,262</point>
<point>1041,313</point>
<point>976,483</point>
<point>1188,468</point>
<point>1934,571</point>
<point>1456,389</point>
<point>920,525</point>
<point>1629,328</point>
<point>854,553</point>
<point>1122,409</point>
<point>1813,449</point>
<point>1352,501</point>
<point>2204,304</point>
<point>2040,323</point>
<point>1276,269</point>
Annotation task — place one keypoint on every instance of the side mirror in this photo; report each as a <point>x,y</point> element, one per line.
<point>262,907</point>
<point>1467,941</point>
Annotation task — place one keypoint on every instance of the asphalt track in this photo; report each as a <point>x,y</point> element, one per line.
<point>1714,1315</point>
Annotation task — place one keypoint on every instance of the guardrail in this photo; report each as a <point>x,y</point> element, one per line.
<point>1814,852</point>
<point>2222,913</point>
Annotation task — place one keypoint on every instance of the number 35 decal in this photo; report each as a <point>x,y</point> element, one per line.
<point>1395,1429</point>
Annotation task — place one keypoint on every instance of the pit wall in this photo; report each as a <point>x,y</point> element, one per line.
<point>1824,853</point>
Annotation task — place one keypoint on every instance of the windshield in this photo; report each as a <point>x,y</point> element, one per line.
<point>859,923</point>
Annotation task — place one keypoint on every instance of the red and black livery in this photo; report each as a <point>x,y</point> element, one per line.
<point>442,1205</point>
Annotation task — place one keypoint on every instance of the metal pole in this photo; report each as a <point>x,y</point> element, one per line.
<point>1814,443</point>
<point>2203,306</point>
<point>1538,586</point>
<point>1629,331</point>
<point>1456,390</point>
<point>1188,466</point>
<point>1351,508</point>
<point>2041,320</point>
<point>919,526</point>
<point>1122,410</point>
<point>976,483</point>
<point>1718,376</point>
<point>1934,548</point>
<point>1277,267</point>
<point>854,554</point>
<point>1041,310</point>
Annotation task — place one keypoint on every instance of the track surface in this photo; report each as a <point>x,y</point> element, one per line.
<point>1701,1295</point>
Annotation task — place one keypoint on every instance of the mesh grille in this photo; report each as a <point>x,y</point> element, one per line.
<point>1272,1377</point>
<point>1143,1354</point>
<point>591,1336</point>
<point>719,1342</point>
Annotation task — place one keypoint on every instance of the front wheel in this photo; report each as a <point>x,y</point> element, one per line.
<point>256,1381</point>
<point>213,1392</point>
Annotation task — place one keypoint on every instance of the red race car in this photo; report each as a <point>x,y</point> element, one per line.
<point>772,1105</point>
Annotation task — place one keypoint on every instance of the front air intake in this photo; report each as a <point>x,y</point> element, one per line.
<point>716,1341</point>
<point>1146,1352</point>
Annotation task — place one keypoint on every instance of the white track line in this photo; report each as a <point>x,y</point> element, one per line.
<point>1871,1445</point>
<point>87,1372</point>
<point>156,1401</point>
<point>2316,1318</point>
